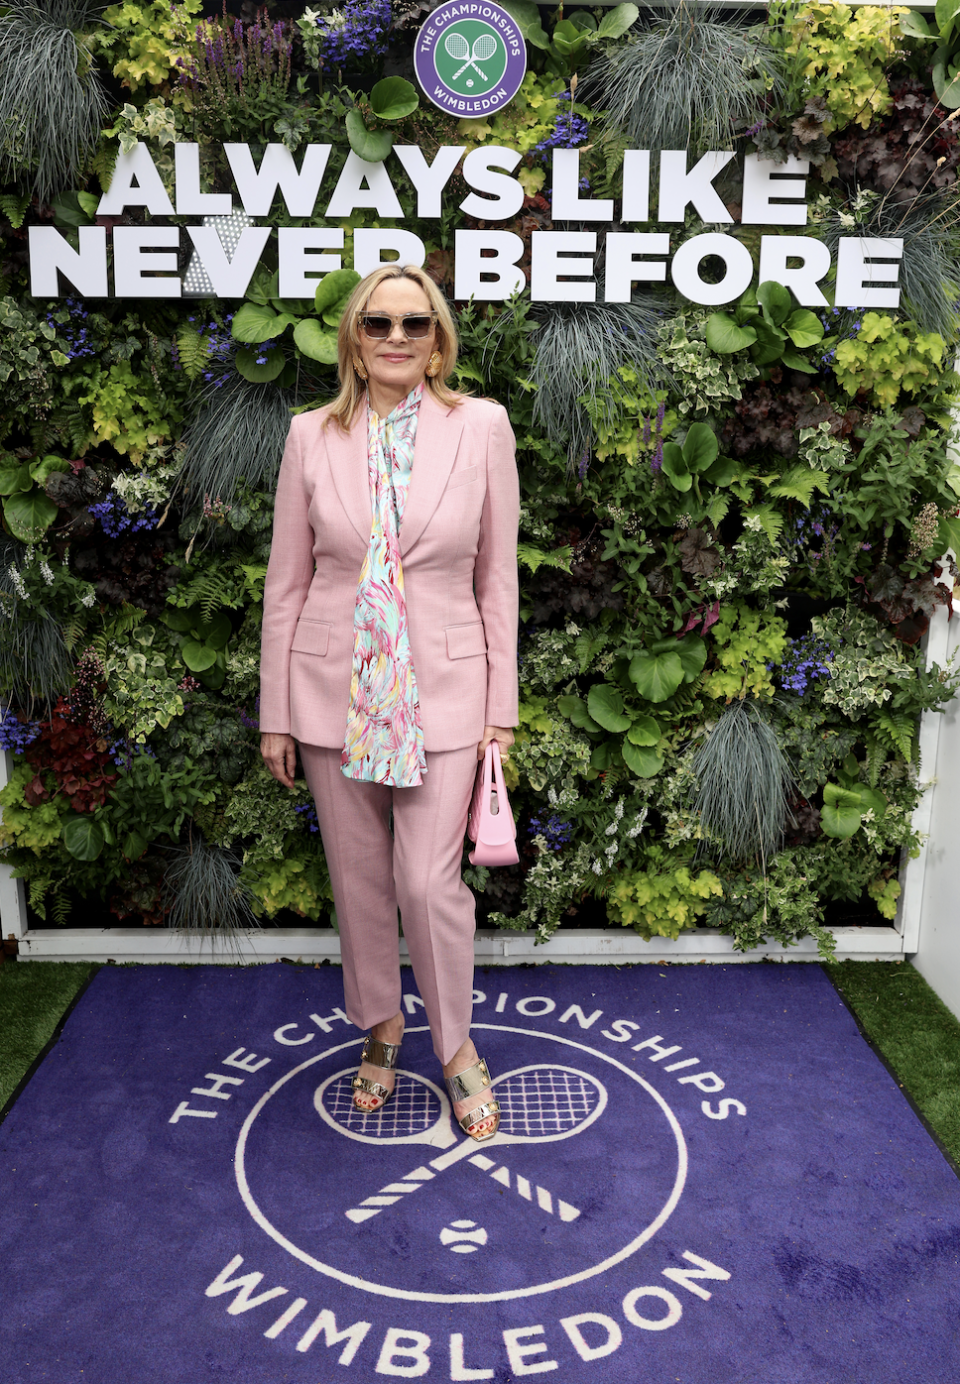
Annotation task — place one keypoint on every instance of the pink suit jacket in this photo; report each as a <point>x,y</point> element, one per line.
<point>458,541</point>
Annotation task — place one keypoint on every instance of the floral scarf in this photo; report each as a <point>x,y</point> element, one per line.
<point>384,739</point>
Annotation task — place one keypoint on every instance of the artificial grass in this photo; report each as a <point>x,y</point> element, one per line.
<point>914,1032</point>
<point>33,999</point>
<point>902,1017</point>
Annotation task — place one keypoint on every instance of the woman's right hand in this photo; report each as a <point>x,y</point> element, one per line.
<point>280,756</point>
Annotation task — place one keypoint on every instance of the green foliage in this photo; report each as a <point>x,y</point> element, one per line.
<point>746,642</point>
<point>30,354</point>
<point>887,358</point>
<point>142,691</point>
<point>664,897</point>
<point>843,54</point>
<point>391,99</point>
<point>130,411</point>
<point>52,102</point>
<point>780,905</point>
<point>145,38</point>
<point>704,380</point>
<point>743,784</point>
<point>693,76</point>
<point>767,325</point>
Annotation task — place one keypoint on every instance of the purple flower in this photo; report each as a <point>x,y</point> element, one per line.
<point>115,519</point>
<point>15,734</point>
<point>556,833</point>
<point>309,814</point>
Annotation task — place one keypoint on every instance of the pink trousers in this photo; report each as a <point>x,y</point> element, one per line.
<point>415,868</point>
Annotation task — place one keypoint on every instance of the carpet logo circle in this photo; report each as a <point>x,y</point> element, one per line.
<point>408,1171</point>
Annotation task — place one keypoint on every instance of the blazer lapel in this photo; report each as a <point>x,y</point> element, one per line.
<point>348,463</point>
<point>438,437</point>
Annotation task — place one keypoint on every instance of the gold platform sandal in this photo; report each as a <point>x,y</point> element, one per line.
<point>383,1055</point>
<point>470,1083</point>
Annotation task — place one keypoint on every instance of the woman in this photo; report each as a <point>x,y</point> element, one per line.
<point>389,655</point>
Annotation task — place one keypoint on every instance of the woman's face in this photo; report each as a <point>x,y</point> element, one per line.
<point>396,365</point>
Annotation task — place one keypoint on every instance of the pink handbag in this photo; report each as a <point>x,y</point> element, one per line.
<point>490,822</point>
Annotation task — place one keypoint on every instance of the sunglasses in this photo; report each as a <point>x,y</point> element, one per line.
<point>378,325</point>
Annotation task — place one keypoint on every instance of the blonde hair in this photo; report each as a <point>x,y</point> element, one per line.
<point>353,391</point>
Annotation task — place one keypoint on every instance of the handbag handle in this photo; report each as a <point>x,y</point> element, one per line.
<point>495,829</point>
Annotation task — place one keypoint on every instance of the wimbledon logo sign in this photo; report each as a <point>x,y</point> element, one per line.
<point>470,57</point>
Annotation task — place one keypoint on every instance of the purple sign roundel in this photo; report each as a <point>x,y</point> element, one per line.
<point>470,58</point>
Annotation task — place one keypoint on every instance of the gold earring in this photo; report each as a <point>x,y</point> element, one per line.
<point>360,368</point>
<point>434,364</point>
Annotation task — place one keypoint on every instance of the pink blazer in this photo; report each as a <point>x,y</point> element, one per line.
<point>459,545</point>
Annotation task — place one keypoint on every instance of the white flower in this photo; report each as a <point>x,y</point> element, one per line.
<point>638,822</point>
<point>46,573</point>
<point>89,599</point>
<point>618,811</point>
<point>597,867</point>
<point>611,851</point>
<point>17,582</point>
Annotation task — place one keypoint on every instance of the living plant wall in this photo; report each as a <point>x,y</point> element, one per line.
<point>734,515</point>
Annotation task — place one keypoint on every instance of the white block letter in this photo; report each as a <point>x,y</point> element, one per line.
<point>132,260</point>
<point>517,1353</point>
<point>707,1082</point>
<point>685,1276</point>
<point>85,269</point>
<point>149,191</point>
<point>459,1371</point>
<point>368,248</point>
<point>674,1310</point>
<point>862,262</point>
<point>775,250</point>
<point>507,193</point>
<point>571,1326</point>
<point>624,269</point>
<point>685,269</point>
<point>327,1323</point>
<point>567,203</point>
<point>245,1064</point>
<point>190,200</point>
<point>243,1302</point>
<point>680,189</point>
<point>491,278</point>
<point>351,193</point>
<point>546,266</point>
<point>392,1350</point>
<point>428,178</point>
<point>257,189</point>
<point>763,180</point>
<point>636,185</point>
<point>229,277</point>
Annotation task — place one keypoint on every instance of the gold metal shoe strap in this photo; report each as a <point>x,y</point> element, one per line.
<point>469,1083</point>
<point>379,1054</point>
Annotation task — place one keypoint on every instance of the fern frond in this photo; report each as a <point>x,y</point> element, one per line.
<point>876,758</point>
<point>533,557</point>
<point>14,208</point>
<point>770,521</point>
<point>194,352</point>
<point>211,589</point>
<point>897,730</point>
<point>37,890</point>
<point>60,907</point>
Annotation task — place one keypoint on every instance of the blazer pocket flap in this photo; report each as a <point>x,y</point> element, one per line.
<point>312,637</point>
<point>462,478</point>
<point>465,641</point>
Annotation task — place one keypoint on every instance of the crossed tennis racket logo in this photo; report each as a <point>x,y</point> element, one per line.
<point>459,47</point>
<point>538,1104</point>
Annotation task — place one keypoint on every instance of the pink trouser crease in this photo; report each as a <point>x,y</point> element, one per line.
<point>416,868</point>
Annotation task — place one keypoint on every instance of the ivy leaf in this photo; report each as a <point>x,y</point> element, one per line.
<point>255,323</point>
<point>82,838</point>
<point>605,705</point>
<point>247,365</point>
<point>775,300</point>
<point>675,468</point>
<point>656,676</point>
<point>722,472</point>
<point>803,328</point>
<point>29,515</point>
<point>372,146</point>
<point>794,361</point>
<point>334,286</point>
<point>692,652</point>
<point>319,343</point>
<point>198,657</point>
<point>644,731</point>
<point>724,335</point>
<point>841,813</point>
<point>393,98</point>
<point>700,448</point>
<point>575,709</point>
<point>617,21</point>
<point>644,763</point>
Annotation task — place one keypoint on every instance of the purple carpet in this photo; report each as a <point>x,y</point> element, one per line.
<point>703,1175</point>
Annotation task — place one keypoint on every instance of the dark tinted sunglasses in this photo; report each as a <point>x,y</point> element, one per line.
<point>378,325</point>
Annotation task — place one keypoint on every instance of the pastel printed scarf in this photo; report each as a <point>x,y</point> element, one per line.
<point>384,740</point>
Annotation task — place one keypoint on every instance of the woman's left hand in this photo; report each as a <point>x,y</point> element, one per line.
<point>503,737</point>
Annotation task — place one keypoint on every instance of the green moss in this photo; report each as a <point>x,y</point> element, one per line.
<point>33,999</point>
